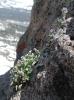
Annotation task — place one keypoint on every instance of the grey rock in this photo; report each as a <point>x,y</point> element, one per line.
<point>53,74</point>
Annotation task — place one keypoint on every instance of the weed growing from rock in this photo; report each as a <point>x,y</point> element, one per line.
<point>21,73</point>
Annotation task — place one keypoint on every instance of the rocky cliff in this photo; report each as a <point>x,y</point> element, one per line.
<point>51,31</point>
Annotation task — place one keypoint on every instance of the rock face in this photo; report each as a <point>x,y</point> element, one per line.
<point>53,74</point>
<point>44,13</point>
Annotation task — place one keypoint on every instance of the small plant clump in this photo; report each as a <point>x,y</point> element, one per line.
<point>21,73</point>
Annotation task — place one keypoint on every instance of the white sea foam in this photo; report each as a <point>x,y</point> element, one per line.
<point>7,51</point>
<point>25,4</point>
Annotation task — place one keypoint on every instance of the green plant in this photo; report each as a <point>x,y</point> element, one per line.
<point>22,71</point>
